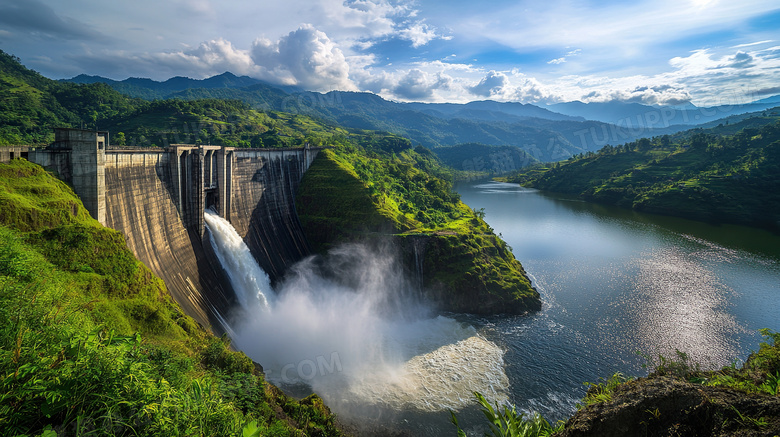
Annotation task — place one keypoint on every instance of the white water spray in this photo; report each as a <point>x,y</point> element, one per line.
<point>352,328</point>
<point>250,282</point>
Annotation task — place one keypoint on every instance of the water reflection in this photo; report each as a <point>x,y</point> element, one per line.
<point>615,282</point>
<point>678,303</point>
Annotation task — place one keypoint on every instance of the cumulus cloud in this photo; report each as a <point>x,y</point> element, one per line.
<point>667,95</point>
<point>207,59</point>
<point>306,56</point>
<point>741,60</point>
<point>414,85</point>
<point>492,84</point>
<point>517,88</point>
<point>420,34</point>
<point>529,90</point>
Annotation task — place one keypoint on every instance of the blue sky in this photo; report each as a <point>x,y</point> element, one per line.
<point>706,52</point>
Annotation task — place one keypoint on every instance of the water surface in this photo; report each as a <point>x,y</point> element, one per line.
<point>616,282</point>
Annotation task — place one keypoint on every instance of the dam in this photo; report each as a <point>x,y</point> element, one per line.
<point>157,198</point>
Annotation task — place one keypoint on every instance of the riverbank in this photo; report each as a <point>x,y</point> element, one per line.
<point>725,174</point>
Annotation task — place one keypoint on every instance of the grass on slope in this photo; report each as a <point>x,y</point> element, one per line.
<point>352,193</point>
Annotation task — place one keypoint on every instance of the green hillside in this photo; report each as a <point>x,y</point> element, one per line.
<point>728,173</point>
<point>92,343</point>
<point>32,105</point>
<point>373,191</point>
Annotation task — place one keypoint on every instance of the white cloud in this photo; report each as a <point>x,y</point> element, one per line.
<point>307,57</point>
<point>420,34</point>
<point>415,85</point>
<point>491,85</point>
<point>739,46</point>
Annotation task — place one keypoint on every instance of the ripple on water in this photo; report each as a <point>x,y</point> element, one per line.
<point>680,304</point>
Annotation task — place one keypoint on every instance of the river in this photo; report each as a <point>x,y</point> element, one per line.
<point>616,284</point>
<point>618,289</point>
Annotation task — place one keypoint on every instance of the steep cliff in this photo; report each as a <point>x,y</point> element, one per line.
<point>460,264</point>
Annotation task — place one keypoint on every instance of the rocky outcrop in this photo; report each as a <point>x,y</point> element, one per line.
<point>469,272</point>
<point>667,406</point>
<point>476,274</point>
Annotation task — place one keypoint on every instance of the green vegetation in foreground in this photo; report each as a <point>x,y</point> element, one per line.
<point>510,423</point>
<point>364,189</point>
<point>677,398</point>
<point>92,343</point>
<point>730,173</point>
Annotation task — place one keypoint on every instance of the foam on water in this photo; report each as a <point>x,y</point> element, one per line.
<point>353,328</point>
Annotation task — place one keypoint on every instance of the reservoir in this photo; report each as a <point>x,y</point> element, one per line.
<point>620,286</point>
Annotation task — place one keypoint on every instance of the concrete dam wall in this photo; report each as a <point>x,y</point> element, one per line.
<point>157,198</point>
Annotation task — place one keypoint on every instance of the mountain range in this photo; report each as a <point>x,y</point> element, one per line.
<point>547,134</point>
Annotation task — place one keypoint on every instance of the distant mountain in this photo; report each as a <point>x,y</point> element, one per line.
<point>152,89</point>
<point>489,110</point>
<point>544,134</point>
<point>496,160</point>
<point>773,100</point>
<point>639,116</point>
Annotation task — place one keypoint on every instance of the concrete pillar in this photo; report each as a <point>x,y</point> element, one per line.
<point>87,167</point>
<point>198,198</point>
<point>174,155</point>
<point>224,164</point>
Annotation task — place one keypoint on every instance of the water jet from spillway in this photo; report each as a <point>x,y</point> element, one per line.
<point>353,328</point>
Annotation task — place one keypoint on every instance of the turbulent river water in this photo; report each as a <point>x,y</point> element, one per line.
<point>614,284</point>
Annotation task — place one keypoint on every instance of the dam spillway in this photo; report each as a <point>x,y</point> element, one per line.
<point>157,199</point>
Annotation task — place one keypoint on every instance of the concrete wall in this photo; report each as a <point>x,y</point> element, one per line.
<point>157,198</point>
<point>262,205</point>
<point>9,153</point>
<point>87,175</point>
<point>141,202</point>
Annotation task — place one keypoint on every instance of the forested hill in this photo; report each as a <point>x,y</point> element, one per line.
<point>729,173</point>
<point>545,135</point>
<point>32,105</point>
